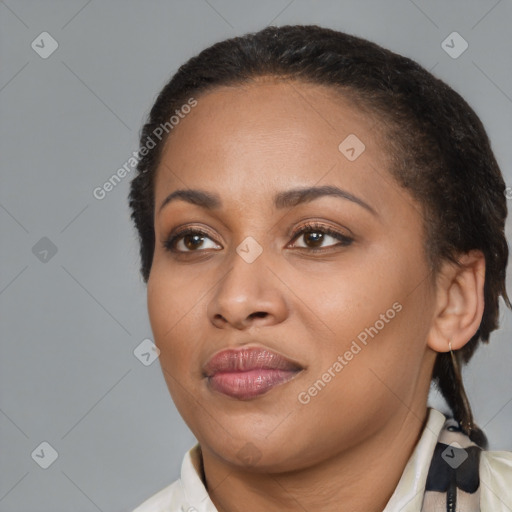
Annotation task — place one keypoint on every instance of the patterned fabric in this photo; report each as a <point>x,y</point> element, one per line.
<point>453,480</point>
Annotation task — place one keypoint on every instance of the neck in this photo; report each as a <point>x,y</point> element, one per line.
<point>342,482</point>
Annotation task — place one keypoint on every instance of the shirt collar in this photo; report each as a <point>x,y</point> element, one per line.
<point>194,490</point>
<point>407,497</point>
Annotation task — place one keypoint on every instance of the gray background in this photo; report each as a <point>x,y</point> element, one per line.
<point>71,323</point>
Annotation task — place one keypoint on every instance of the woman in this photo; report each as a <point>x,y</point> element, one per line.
<point>322,235</point>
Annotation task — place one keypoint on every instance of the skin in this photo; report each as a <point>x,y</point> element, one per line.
<point>245,144</point>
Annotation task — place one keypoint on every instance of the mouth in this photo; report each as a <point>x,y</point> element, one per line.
<point>248,372</point>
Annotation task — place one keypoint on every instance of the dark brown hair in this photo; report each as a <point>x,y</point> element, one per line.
<point>437,146</point>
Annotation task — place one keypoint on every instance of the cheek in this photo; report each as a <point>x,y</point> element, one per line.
<point>379,317</point>
<point>354,296</point>
<point>173,312</point>
<point>173,308</point>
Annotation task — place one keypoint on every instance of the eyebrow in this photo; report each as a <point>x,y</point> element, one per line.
<point>286,199</point>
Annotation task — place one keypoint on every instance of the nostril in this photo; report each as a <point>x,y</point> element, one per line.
<point>259,314</point>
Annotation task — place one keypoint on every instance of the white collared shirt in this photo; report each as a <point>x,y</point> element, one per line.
<point>188,494</point>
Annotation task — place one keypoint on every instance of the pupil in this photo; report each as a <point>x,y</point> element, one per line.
<point>193,245</point>
<point>315,237</point>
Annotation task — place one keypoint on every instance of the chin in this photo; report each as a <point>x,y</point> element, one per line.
<point>278,453</point>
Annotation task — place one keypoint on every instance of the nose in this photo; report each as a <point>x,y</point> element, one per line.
<point>249,294</point>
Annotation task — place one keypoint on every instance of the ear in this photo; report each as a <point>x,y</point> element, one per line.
<point>459,302</point>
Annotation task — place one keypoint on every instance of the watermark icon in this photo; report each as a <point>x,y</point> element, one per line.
<point>454,455</point>
<point>44,45</point>
<point>454,45</point>
<point>249,454</point>
<point>304,397</point>
<point>249,249</point>
<point>146,352</point>
<point>351,147</point>
<point>101,192</point>
<point>44,250</point>
<point>45,455</point>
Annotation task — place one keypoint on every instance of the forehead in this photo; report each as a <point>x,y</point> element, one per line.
<point>264,110</point>
<point>270,133</point>
<point>247,144</point>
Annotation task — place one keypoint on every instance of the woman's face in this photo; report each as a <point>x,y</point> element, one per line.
<point>336,284</point>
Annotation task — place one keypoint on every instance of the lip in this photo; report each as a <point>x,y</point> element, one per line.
<point>248,372</point>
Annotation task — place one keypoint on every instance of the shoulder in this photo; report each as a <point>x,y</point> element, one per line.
<point>496,481</point>
<point>166,500</point>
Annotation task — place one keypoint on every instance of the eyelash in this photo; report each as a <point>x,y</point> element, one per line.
<point>312,227</point>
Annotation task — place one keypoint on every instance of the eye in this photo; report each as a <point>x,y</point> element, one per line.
<point>314,235</point>
<point>187,240</point>
<point>192,239</point>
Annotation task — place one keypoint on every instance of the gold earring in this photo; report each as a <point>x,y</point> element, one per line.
<point>467,421</point>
